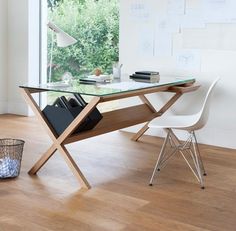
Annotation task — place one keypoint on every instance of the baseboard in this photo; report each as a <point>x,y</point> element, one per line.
<point>18,108</point>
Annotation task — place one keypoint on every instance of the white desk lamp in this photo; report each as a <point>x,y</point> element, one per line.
<point>63,40</point>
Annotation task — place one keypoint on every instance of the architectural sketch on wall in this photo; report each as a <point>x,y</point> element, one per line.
<point>139,10</point>
<point>163,44</point>
<point>146,42</point>
<point>213,37</point>
<point>195,20</point>
<point>192,19</point>
<point>176,7</point>
<point>188,60</point>
<point>164,29</point>
<point>232,14</point>
<point>216,11</point>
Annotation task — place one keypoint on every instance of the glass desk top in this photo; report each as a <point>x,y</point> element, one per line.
<point>105,89</point>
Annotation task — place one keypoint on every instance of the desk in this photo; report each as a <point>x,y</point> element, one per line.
<point>111,121</point>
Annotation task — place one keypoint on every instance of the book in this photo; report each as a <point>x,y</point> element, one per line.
<point>100,78</point>
<point>139,76</point>
<point>87,81</point>
<point>151,80</point>
<point>147,72</point>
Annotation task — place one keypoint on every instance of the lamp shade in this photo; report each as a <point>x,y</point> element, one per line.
<point>63,39</point>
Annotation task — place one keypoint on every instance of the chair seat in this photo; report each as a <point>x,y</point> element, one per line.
<point>183,122</point>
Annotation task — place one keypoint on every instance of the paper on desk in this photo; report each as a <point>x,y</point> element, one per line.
<point>100,78</point>
<point>127,85</point>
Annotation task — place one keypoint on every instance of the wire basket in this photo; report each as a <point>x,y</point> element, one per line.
<point>11,151</point>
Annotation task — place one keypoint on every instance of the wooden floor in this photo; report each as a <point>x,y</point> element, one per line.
<point>120,199</point>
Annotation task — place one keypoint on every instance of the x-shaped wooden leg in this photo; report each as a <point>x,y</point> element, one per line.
<point>172,100</point>
<point>58,141</point>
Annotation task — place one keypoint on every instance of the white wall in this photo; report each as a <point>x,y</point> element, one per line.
<point>19,56</point>
<point>3,56</point>
<point>217,57</point>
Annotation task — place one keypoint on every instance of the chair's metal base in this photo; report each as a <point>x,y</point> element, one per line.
<point>189,147</point>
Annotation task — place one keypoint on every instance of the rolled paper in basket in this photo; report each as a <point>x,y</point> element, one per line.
<point>9,167</point>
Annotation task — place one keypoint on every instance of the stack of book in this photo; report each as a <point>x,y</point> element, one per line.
<point>96,79</point>
<point>146,76</point>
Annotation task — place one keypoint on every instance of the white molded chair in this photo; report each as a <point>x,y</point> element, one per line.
<point>189,123</point>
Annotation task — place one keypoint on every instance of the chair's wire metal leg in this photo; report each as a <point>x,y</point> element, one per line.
<point>199,154</point>
<point>190,147</point>
<point>189,150</point>
<point>195,157</point>
<point>172,143</point>
<point>198,165</point>
<point>161,155</point>
<point>193,171</point>
<point>163,161</point>
<point>165,157</point>
<point>185,147</point>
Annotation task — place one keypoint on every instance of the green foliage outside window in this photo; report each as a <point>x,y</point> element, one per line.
<point>95,24</point>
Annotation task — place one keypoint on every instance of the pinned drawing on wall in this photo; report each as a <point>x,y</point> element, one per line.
<point>163,44</point>
<point>216,11</point>
<point>145,42</point>
<point>192,19</point>
<point>188,60</point>
<point>167,24</point>
<point>164,29</point>
<point>176,7</point>
<point>139,10</point>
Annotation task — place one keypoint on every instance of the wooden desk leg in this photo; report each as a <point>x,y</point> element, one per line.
<point>69,160</point>
<point>69,130</point>
<point>145,127</point>
<point>58,141</point>
<point>74,167</point>
<point>140,132</point>
<point>169,103</point>
<point>44,158</point>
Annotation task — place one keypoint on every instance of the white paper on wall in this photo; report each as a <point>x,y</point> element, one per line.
<point>188,60</point>
<point>163,44</point>
<point>232,11</point>
<point>168,24</point>
<point>216,11</point>
<point>139,10</point>
<point>192,19</point>
<point>145,39</point>
<point>212,37</point>
<point>176,7</point>
<point>165,27</point>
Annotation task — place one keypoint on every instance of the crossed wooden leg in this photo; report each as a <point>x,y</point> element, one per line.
<point>58,141</point>
<point>169,103</point>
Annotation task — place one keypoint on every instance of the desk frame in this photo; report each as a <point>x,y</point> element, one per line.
<point>111,121</point>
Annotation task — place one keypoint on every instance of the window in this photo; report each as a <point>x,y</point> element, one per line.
<point>95,26</point>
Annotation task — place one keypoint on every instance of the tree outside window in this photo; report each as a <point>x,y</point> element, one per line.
<point>95,25</point>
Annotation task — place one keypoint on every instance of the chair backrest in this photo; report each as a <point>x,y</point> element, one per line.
<point>203,114</point>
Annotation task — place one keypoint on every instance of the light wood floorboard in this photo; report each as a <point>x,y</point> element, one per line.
<point>118,170</point>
